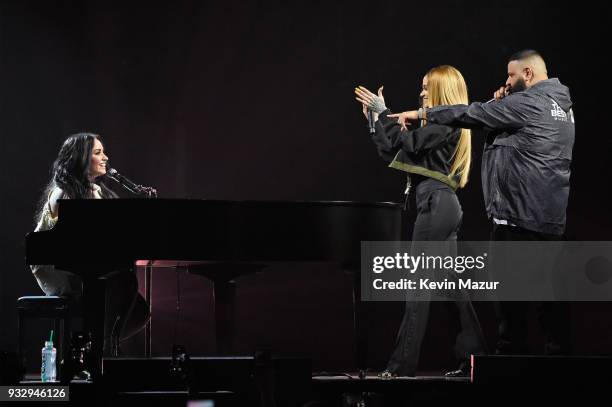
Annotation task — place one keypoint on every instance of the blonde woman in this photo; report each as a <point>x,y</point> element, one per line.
<point>437,159</point>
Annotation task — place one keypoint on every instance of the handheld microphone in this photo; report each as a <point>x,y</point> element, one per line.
<point>371,123</point>
<point>508,91</point>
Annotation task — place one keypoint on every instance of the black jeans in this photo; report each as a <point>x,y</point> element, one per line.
<point>554,317</point>
<point>438,219</point>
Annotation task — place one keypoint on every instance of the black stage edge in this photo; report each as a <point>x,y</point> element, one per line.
<point>250,381</point>
<point>350,390</point>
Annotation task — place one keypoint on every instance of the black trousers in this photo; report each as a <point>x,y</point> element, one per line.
<point>554,317</point>
<point>439,218</point>
<point>126,311</point>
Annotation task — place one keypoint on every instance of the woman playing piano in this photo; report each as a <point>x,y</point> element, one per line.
<point>78,173</point>
<point>437,161</point>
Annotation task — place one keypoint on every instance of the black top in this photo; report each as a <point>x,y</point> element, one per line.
<point>426,151</point>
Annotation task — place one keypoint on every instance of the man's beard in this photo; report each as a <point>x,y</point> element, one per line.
<point>518,86</point>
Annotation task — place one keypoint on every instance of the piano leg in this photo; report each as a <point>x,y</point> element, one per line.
<point>224,293</point>
<point>94,308</point>
<point>223,276</point>
<point>359,326</point>
<point>148,299</point>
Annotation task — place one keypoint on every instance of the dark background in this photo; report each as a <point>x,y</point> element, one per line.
<point>254,100</point>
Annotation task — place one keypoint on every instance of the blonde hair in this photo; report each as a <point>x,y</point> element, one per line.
<point>446,86</point>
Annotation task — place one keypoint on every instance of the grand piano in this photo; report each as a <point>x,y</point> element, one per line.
<point>219,239</point>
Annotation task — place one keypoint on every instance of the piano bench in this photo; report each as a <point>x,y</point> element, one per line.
<point>60,309</point>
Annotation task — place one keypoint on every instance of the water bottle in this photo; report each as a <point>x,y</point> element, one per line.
<point>48,370</point>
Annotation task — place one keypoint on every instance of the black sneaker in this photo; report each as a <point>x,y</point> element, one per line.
<point>462,371</point>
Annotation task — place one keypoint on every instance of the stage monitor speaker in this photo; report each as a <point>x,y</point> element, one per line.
<point>285,380</point>
<point>539,370</point>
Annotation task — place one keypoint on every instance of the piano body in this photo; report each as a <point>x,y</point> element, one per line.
<point>218,239</point>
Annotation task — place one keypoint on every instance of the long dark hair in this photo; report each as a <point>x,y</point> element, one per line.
<point>71,171</point>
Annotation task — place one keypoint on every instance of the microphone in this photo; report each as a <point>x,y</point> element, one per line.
<point>123,181</point>
<point>508,91</point>
<point>129,185</point>
<point>371,123</point>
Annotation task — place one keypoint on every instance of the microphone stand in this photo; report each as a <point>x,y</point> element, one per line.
<point>149,192</point>
<point>136,189</point>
